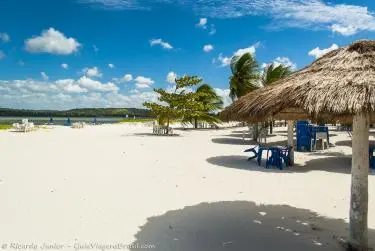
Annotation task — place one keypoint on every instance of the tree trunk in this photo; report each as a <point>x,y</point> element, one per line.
<point>195,123</point>
<point>167,131</point>
<point>291,141</point>
<point>255,131</point>
<point>271,127</point>
<point>359,188</point>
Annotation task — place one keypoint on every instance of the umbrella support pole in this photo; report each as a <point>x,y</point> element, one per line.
<point>359,183</point>
<point>291,141</point>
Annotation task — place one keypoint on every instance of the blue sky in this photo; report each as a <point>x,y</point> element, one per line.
<point>111,53</point>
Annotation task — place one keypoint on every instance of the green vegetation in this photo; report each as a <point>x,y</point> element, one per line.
<point>211,102</point>
<point>185,105</point>
<point>273,73</point>
<point>84,112</point>
<point>245,75</point>
<point>5,127</point>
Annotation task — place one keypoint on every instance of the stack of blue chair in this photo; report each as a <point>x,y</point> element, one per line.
<point>371,156</point>
<point>304,135</point>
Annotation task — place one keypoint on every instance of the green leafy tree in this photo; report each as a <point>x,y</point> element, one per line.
<point>210,102</point>
<point>245,75</point>
<point>178,103</point>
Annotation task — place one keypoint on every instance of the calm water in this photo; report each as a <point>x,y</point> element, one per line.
<point>58,120</point>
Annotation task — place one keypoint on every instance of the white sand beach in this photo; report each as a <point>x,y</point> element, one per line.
<point>119,184</point>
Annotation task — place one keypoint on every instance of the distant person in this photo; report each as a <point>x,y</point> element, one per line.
<point>51,120</point>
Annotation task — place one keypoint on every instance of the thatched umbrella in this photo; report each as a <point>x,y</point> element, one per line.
<point>338,86</point>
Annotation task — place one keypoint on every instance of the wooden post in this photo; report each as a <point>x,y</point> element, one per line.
<point>291,141</point>
<point>359,188</point>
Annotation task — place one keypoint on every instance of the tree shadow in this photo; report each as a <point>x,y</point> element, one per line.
<point>333,162</point>
<point>153,135</point>
<point>243,226</point>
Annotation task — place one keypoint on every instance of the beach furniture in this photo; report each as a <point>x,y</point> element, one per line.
<point>323,136</point>
<point>26,126</point>
<point>68,122</point>
<point>276,156</point>
<point>304,136</point>
<point>308,135</point>
<point>78,125</point>
<point>250,131</point>
<point>161,130</point>
<point>371,156</point>
<point>17,127</point>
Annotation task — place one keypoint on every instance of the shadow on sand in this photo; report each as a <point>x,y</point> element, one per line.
<point>243,226</point>
<point>333,162</point>
<point>247,143</point>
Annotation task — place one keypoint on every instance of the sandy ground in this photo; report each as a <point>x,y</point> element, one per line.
<point>117,184</point>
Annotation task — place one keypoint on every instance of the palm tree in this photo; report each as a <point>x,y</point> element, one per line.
<point>245,75</point>
<point>209,102</point>
<point>245,78</point>
<point>273,73</point>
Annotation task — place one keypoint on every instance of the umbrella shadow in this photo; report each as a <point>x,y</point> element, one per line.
<point>247,142</point>
<point>333,162</point>
<point>241,226</point>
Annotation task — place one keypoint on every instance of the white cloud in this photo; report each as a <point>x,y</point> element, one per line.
<point>128,77</point>
<point>160,42</point>
<point>65,66</point>
<point>44,76</point>
<point>171,77</point>
<point>21,63</point>
<point>95,48</point>
<point>285,61</point>
<point>202,23</point>
<point>208,48</point>
<point>116,4</point>
<point>345,19</point>
<point>92,72</point>
<point>212,30</point>
<point>2,54</point>
<point>70,86</point>
<point>224,94</point>
<point>52,41</point>
<point>95,85</point>
<point>225,61</point>
<point>317,52</point>
<point>251,49</point>
<point>4,37</point>
<point>143,82</point>
<point>111,66</point>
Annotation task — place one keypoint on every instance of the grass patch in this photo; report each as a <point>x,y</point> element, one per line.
<point>5,127</point>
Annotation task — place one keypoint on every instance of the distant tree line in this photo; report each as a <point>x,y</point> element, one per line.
<point>82,112</point>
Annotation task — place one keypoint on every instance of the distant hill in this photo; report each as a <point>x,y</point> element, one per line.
<point>81,112</point>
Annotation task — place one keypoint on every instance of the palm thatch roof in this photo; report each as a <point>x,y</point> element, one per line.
<point>335,86</point>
